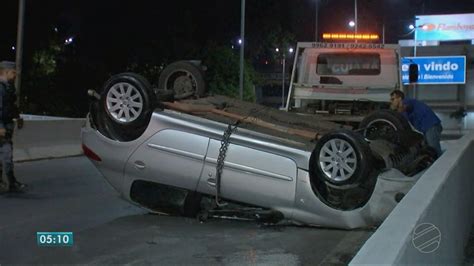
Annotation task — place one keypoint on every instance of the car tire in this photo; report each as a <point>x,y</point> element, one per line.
<point>164,95</point>
<point>184,78</point>
<point>127,102</point>
<point>341,159</point>
<point>384,124</point>
<point>352,192</point>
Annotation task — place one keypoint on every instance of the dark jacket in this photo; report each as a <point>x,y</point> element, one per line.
<point>420,115</point>
<point>8,108</point>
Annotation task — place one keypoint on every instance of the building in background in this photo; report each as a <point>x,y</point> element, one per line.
<point>448,36</point>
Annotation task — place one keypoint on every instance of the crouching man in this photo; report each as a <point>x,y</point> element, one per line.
<point>420,116</point>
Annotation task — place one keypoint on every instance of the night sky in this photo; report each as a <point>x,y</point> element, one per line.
<point>111,36</point>
<point>118,31</point>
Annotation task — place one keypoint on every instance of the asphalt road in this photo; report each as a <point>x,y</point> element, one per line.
<point>469,250</point>
<point>70,195</point>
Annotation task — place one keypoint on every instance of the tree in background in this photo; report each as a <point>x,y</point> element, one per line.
<point>57,76</point>
<point>39,84</point>
<point>279,38</point>
<point>269,27</point>
<point>222,75</point>
<point>56,80</point>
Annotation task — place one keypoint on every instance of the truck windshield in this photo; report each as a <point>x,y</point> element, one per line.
<point>348,64</point>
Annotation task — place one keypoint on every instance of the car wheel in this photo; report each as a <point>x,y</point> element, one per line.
<point>184,78</point>
<point>128,102</point>
<point>341,158</point>
<point>384,124</point>
<point>342,171</point>
<point>164,95</point>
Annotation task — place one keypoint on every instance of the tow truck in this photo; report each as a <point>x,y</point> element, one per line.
<point>343,82</point>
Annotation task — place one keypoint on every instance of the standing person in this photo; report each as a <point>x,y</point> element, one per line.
<point>420,116</point>
<point>8,112</point>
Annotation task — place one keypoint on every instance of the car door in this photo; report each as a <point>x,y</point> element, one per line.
<point>251,176</point>
<point>170,157</point>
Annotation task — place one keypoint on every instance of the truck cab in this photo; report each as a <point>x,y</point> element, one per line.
<point>343,78</point>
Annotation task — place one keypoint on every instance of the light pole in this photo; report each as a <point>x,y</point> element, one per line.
<point>242,37</point>
<point>353,24</point>
<point>283,81</point>
<point>414,55</point>
<point>316,34</point>
<point>383,32</point>
<point>19,48</point>
<point>415,29</point>
<point>283,72</point>
<point>355,16</point>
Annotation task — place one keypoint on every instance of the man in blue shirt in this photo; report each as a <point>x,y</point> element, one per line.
<point>420,116</point>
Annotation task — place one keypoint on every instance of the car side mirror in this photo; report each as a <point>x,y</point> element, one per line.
<point>413,73</point>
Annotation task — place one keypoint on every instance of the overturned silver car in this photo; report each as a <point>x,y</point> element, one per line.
<point>205,155</point>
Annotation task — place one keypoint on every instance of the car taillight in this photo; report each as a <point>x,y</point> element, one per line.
<point>90,154</point>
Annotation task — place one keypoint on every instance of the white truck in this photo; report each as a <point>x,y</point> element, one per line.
<point>346,81</point>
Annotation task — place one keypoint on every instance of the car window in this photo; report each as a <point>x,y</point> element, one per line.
<point>348,64</point>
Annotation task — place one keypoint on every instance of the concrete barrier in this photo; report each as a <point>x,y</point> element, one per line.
<point>44,117</point>
<point>47,137</point>
<point>431,224</point>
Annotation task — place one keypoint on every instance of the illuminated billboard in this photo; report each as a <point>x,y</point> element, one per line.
<point>436,69</point>
<point>445,27</point>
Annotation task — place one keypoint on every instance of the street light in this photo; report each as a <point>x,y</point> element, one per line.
<point>353,24</point>
<point>415,30</point>
<point>355,16</point>
<point>19,48</point>
<point>68,40</point>
<point>316,24</point>
<point>283,56</point>
<point>242,48</point>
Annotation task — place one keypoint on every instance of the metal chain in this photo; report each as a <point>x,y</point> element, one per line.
<point>220,159</point>
<point>223,151</point>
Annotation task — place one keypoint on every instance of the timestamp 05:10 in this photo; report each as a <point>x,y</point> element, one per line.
<point>52,239</point>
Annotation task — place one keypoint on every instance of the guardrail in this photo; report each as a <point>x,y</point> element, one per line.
<point>47,137</point>
<point>431,224</point>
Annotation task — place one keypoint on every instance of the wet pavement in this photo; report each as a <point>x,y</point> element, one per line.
<point>70,195</point>
<point>469,250</point>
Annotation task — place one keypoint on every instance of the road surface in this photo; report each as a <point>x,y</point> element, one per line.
<point>70,195</point>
